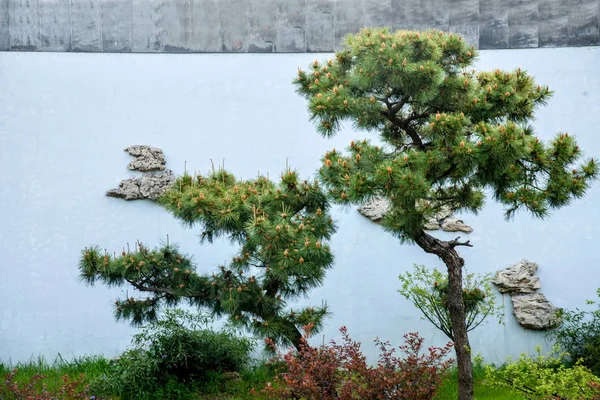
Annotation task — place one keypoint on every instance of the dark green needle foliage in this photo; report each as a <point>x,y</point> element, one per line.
<point>282,231</point>
<point>449,135</point>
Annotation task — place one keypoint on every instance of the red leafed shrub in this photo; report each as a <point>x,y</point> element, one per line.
<point>35,389</point>
<point>340,371</point>
<point>596,388</point>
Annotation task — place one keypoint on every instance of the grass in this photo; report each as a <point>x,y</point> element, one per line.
<point>217,387</point>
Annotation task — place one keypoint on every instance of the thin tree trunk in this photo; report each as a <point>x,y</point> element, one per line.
<point>447,253</point>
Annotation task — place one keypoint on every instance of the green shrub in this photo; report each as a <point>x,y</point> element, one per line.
<point>579,336</point>
<point>172,356</point>
<point>545,377</point>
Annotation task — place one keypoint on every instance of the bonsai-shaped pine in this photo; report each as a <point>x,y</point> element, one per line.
<point>428,291</point>
<point>282,230</point>
<point>449,134</point>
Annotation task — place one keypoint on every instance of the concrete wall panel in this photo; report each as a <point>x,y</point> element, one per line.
<point>464,20</point>
<point>55,25</point>
<point>262,21</point>
<point>117,29</point>
<point>4,31</point>
<point>348,18</point>
<point>206,26</point>
<point>320,33</point>
<point>86,22</point>
<point>24,25</point>
<point>493,24</point>
<point>553,28</point>
<point>175,26</point>
<point>407,14</point>
<point>583,23</point>
<point>291,26</point>
<point>147,29</point>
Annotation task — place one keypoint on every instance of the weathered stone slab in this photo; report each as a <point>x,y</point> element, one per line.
<point>320,34</point>
<point>4,30</point>
<point>553,30</point>
<point>149,186</point>
<point>435,14</point>
<point>348,19</point>
<point>493,24</point>
<point>55,25</point>
<point>376,208</point>
<point>518,278</point>
<point>291,26</point>
<point>86,24</point>
<point>24,24</point>
<point>147,26</point>
<point>378,13</point>
<point>455,225</point>
<point>117,26</point>
<point>206,26</point>
<point>464,20</point>
<point>177,26</point>
<point>147,158</point>
<point>262,19</point>
<point>534,311</point>
<point>406,14</point>
<point>523,23</point>
<point>583,23</point>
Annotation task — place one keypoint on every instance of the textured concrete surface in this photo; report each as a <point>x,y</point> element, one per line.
<point>66,118</point>
<point>284,26</point>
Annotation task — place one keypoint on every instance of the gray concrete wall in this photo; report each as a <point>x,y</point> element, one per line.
<point>66,118</point>
<point>172,26</point>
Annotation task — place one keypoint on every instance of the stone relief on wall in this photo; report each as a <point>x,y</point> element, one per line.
<point>532,310</point>
<point>376,208</point>
<point>155,177</point>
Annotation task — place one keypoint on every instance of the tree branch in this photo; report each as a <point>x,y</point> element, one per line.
<point>456,243</point>
<point>150,289</point>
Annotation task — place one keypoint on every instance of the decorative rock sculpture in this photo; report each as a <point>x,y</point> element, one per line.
<point>518,278</point>
<point>154,180</point>
<point>532,310</point>
<point>376,208</point>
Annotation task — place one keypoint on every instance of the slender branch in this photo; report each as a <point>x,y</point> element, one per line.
<point>456,243</point>
<point>150,289</point>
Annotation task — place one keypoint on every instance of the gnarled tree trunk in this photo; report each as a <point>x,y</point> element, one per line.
<point>446,251</point>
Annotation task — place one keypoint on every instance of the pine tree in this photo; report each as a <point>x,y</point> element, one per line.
<point>282,230</point>
<point>450,136</point>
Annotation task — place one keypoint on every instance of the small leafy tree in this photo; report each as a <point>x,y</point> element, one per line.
<point>428,291</point>
<point>448,136</point>
<point>282,230</point>
<point>579,336</point>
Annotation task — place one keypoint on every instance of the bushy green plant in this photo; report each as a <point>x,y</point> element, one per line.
<point>579,336</point>
<point>171,356</point>
<point>428,291</point>
<point>545,377</point>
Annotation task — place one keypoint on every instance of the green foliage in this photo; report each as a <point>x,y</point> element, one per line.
<point>282,230</point>
<point>579,336</point>
<point>428,291</point>
<point>449,132</point>
<point>171,357</point>
<point>58,379</point>
<point>544,377</point>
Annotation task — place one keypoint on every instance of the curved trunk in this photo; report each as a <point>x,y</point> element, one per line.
<point>447,253</point>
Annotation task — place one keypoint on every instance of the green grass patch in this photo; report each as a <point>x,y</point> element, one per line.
<point>217,386</point>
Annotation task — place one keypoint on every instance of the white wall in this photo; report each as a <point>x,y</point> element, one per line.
<point>66,118</point>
